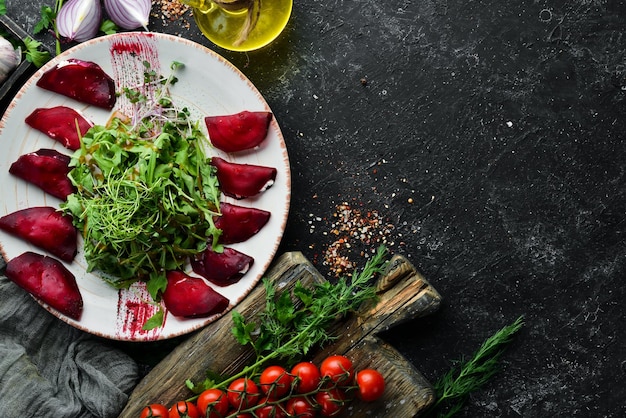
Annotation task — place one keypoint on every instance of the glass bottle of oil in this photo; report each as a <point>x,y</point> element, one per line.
<point>241,25</point>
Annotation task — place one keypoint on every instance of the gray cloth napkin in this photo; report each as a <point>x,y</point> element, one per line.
<point>51,369</point>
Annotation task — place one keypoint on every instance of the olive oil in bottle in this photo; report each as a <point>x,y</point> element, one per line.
<point>241,25</point>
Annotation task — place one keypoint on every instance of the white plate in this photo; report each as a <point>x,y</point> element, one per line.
<point>208,85</point>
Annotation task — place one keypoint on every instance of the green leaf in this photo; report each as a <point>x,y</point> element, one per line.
<point>34,54</point>
<point>289,332</point>
<point>176,65</point>
<point>3,7</point>
<point>212,379</point>
<point>108,27</point>
<point>156,284</point>
<point>48,15</point>
<point>285,309</point>
<point>155,321</point>
<point>241,330</point>
<point>202,386</point>
<point>302,293</point>
<point>191,386</point>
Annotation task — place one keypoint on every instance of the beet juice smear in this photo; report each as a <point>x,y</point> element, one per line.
<point>128,56</point>
<point>133,310</point>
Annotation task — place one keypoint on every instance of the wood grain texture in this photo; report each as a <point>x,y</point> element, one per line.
<point>403,294</point>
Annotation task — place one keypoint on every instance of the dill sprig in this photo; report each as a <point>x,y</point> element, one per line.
<point>453,388</point>
<point>287,331</point>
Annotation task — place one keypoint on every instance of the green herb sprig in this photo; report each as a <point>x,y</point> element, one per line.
<point>453,388</point>
<point>47,21</point>
<point>32,50</point>
<point>287,331</point>
<point>34,53</point>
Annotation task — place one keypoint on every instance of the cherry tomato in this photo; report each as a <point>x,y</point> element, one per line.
<point>154,410</point>
<point>300,407</point>
<point>331,402</point>
<point>213,403</point>
<point>183,409</point>
<point>338,368</point>
<point>270,410</point>
<point>307,377</point>
<point>243,393</point>
<point>371,385</point>
<point>275,382</point>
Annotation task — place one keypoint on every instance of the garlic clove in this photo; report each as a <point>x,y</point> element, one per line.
<point>10,58</point>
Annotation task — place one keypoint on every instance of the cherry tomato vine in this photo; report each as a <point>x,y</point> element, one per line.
<point>305,390</point>
<point>283,336</point>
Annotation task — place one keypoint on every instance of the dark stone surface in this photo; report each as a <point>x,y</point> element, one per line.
<point>504,124</point>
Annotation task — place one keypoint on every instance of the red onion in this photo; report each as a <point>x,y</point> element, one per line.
<point>129,14</point>
<point>79,20</point>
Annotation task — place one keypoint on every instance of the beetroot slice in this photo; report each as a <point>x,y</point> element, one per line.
<point>60,123</point>
<point>222,269</point>
<point>243,180</point>
<point>44,227</point>
<point>46,169</point>
<point>239,223</point>
<point>48,280</point>
<point>191,297</point>
<point>238,132</point>
<point>80,80</point>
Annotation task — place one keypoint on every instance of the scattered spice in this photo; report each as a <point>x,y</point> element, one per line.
<point>170,11</point>
<point>354,229</point>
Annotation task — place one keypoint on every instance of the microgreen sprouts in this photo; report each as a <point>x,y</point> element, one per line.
<point>146,193</point>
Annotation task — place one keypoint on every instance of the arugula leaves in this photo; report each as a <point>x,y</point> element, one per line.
<point>146,193</point>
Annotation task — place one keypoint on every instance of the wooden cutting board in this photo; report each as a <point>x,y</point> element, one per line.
<point>403,295</point>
